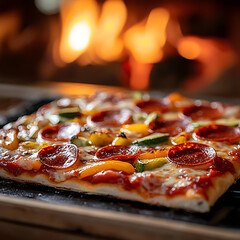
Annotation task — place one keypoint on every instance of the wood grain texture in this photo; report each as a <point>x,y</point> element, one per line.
<point>13,230</point>
<point>104,223</point>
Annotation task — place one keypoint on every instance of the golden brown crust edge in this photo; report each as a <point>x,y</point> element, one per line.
<point>190,201</point>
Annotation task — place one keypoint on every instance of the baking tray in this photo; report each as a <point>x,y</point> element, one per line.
<point>223,221</point>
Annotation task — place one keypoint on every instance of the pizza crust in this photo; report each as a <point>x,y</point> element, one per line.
<point>191,201</point>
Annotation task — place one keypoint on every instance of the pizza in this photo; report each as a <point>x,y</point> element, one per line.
<point>175,151</point>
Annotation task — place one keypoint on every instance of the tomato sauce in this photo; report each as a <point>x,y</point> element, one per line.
<point>173,127</point>
<point>112,118</point>
<point>153,105</point>
<point>219,133</point>
<point>202,112</point>
<point>12,168</point>
<point>147,185</point>
<point>150,185</point>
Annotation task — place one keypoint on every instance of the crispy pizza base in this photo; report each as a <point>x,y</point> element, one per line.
<point>191,201</point>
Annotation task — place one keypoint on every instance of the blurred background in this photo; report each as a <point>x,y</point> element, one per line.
<point>169,45</point>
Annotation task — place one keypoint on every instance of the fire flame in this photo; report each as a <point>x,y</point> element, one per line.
<point>109,46</point>
<point>215,56</point>
<point>145,42</point>
<point>78,23</point>
<point>189,48</point>
<point>79,36</point>
<point>91,34</point>
<point>89,39</point>
<point>83,32</point>
<point>9,25</point>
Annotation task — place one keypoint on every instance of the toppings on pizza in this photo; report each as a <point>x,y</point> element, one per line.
<point>151,117</point>
<point>156,150</point>
<point>122,139</point>
<point>179,101</point>
<point>138,127</point>
<point>222,165</point>
<point>64,103</point>
<point>235,151</point>
<point>59,156</point>
<point>162,152</point>
<point>149,164</point>
<point>152,140</point>
<point>108,165</point>
<point>204,112</point>
<point>101,138</point>
<point>191,154</point>
<point>218,133</point>
<point>112,118</point>
<point>79,141</point>
<point>173,127</point>
<point>69,113</point>
<point>118,152</point>
<point>228,122</point>
<point>181,138</point>
<point>61,132</point>
<point>153,105</point>
<point>10,140</point>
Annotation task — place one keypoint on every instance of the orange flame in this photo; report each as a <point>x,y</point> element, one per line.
<point>108,44</point>
<point>78,24</point>
<point>9,25</point>
<point>81,33</point>
<point>214,55</point>
<point>89,38</point>
<point>146,42</point>
<point>189,48</point>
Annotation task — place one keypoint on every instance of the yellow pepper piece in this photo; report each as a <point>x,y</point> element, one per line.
<point>90,112</point>
<point>141,128</point>
<point>100,139</point>
<point>175,97</point>
<point>36,165</point>
<point>10,141</point>
<point>155,154</point>
<point>78,120</point>
<point>108,165</point>
<point>30,145</point>
<point>121,141</point>
<point>43,145</point>
<point>179,139</point>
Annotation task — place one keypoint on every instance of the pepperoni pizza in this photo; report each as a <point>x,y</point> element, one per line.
<point>174,152</point>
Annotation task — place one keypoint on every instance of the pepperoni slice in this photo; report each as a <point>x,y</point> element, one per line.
<point>218,133</point>
<point>112,118</point>
<point>60,132</point>
<point>191,154</point>
<point>119,152</point>
<point>204,112</point>
<point>153,105</point>
<point>222,165</point>
<point>59,156</point>
<point>173,127</point>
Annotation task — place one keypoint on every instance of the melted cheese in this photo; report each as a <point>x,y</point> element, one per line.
<point>170,175</point>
